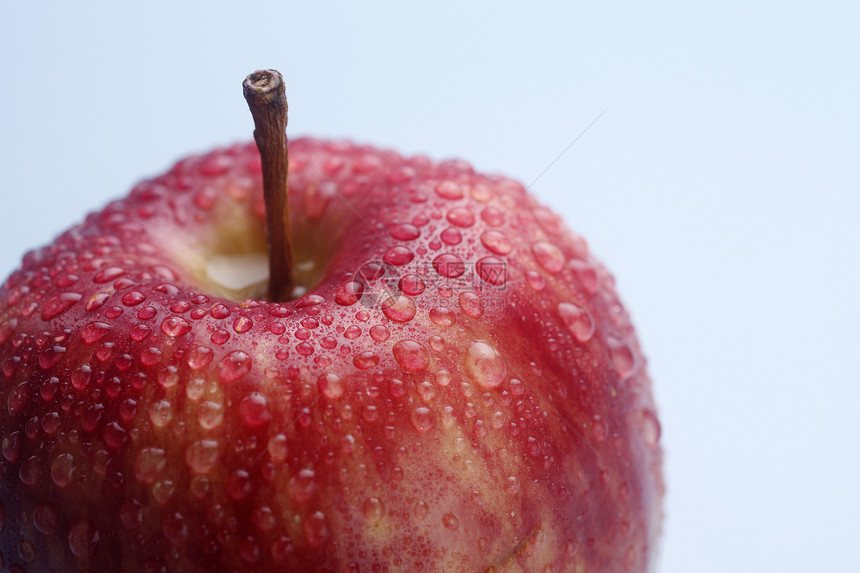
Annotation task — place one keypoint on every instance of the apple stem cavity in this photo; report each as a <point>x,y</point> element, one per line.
<point>264,92</point>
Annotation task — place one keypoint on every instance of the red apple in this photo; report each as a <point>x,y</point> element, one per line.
<point>457,389</point>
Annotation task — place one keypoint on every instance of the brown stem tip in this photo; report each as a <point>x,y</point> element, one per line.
<point>264,92</point>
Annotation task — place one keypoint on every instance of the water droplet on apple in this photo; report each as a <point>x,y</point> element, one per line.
<point>411,355</point>
<point>352,332</point>
<point>492,270</point>
<point>139,332</point>
<point>422,419</point>
<point>449,265</point>
<point>373,509</point>
<point>493,216</point>
<point>427,391</point>
<point>496,242</point>
<point>411,285</point>
<point>451,521</point>
<point>210,415</point>
<point>239,484</point>
<point>175,528</point>
<point>461,217</point>
<point>161,413</point>
<point>650,428</point>
<point>349,293</point>
<point>451,236</point>
<point>59,304</point>
<point>380,333</point>
<point>316,529</point>
<point>585,274</point>
<point>175,326</point>
<point>399,308</point>
<point>133,298</point>
<point>405,232</point>
<point>449,190</point>
<point>83,538</point>
<point>623,359</point>
<point>443,316</point>
<point>512,485</point>
<point>277,448</point>
<point>577,320</point>
<point>63,470</point>
<point>484,364</point>
<point>202,455</point>
<point>398,256</point>
<point>600,428</point>
<point>254,410</point>
<point>548,256</point>
<point>365,360</point>
<point>302,486</point>
<point>131,514</point>
<point>148,464</point>
<point>535,280</point>
<point>234,366</point>
<point>470,304</point>
<point>81,376</point>
<point>46,518</point>
<point>150,356</point>
<point>108,274</point>
<point>331,385</point>
<point>264,518</point>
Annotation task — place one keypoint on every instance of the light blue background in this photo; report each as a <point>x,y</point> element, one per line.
<point>722,186</point>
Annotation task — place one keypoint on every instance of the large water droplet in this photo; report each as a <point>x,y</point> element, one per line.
<point>46,518</point>
<point>331,385</point>
<point>449,265</point>
<point>239,484</point>
<point>380,333</point>
<point>548,256</point>
<point>492,270</point>
<point>175,326</point>
<point>161,413</point>
<point>496,242</point>
<point>411,355</point>
<point>405,232</point>
<point>59,304</point>
<point>485,365</point>
<point>451,236</point>
<point>254,410</point>
<point>63,470</point>
<point>234,366</point>
<point>210,415</point>
<point>302,486</point>
<point>461,217</point>
<point>398,256</point>
<point>202,455</point>
<point>148,464</point>
<point>83,538</point>
<point>470,304</point>
<point>650,428</point>
<point>449,190</point>
<point>577,320</point>
<point>365,360</point>
<point>443,316</point>
<point>349,293</point>
<point>373,509</point>
<point>422,419</point>
<point>451,521</point>
<point>316,530</point>
<point>623,359</point>
<point>399,308</point>
<point>412,285</point>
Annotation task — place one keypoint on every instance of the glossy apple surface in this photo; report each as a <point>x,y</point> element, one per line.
<point>458,389</point>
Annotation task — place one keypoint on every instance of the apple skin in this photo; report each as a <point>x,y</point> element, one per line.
<point>459,389</point>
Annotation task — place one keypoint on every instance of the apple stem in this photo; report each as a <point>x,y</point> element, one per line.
<point>264,92</point>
